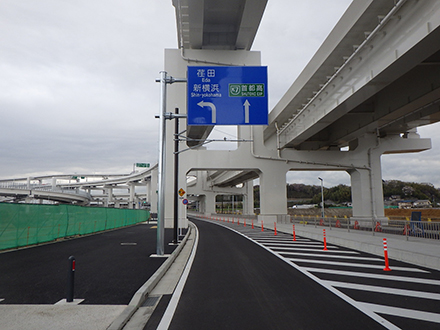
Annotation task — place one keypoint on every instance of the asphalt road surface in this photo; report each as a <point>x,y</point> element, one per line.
<point>237,284</point>
<point>110,267</point>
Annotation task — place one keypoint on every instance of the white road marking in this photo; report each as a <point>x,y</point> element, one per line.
<point>172,305</point>
<point>403,312</point>
<point>376,276</point>
<point>326,255</point>
<point>318,246</point>
<point>366,308</point>
<point>281,249</point>
<point>379,289</point>
<point>379,319</point>
<point>336,263</point>
<point>286,240</point>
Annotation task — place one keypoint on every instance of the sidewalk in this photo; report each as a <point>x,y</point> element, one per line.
<point>422,252</point>
<point>68,317</point>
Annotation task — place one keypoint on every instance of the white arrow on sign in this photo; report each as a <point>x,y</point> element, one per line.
<point>246,111</point>
<point>213,109</point>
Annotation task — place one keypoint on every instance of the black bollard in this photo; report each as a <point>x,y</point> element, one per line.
<point>70,279</point>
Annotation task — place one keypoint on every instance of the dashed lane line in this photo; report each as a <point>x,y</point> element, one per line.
<point>375,276</point>
<point>387,290</point>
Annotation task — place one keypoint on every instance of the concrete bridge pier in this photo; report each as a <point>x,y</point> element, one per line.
<point>206,194</point>
<point>208,203</point>
<point>273,197</point>
<point>367,197</point>
<point>152,191</point>
<point>366,182</point>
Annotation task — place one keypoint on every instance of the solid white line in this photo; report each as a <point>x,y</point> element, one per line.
<point>336,263</point>
<point>172,305</point>
<point>376,276</point>
<point>403,312</point>
<point>326,255</point>
<point>379,289</point>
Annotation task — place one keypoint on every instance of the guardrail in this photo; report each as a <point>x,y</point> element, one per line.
<point>407,228</point>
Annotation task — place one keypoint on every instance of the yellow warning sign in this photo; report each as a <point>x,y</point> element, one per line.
<point>181,192</point>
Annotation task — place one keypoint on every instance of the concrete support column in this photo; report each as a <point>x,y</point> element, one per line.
<point>152,195</point>
<point>273,197</point>
<point>148,191</point>
<point>248,199</point>
<point>131,189</point>
<point>209,202</point>
<point>109,198</point>
<point>366,183</point>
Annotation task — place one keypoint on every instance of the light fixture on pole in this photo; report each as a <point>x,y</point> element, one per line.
<point>322,197</point>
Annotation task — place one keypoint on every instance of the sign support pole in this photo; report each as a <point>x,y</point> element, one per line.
<point>176,178</point>
<point>164,80</point>
<point>161,166</point>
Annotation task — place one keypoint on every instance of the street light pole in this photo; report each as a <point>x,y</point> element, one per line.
<point>163,115</point>
<point>161,166</point>
<point>322,198</point>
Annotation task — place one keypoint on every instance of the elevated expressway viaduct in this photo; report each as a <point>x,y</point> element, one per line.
<point>374,80</point>
<point>109,190</point>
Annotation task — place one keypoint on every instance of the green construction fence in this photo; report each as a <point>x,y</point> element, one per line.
<point>26,224</point>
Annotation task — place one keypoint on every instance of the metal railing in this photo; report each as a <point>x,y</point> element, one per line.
<point>45,187</point>
<point>407,228</point>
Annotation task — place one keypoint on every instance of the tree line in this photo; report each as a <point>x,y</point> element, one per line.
<point>342,193</point>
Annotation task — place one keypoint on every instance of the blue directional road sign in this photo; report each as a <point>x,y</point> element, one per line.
<point>227,95</point>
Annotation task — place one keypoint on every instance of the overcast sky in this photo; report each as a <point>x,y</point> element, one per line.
<point>78,91</point>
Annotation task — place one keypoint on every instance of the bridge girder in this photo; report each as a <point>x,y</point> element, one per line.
<point>389,85</point>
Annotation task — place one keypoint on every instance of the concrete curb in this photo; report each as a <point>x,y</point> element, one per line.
<point>141,295</point>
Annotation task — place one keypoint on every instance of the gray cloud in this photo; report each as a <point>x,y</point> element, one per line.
<point>78,91</point>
